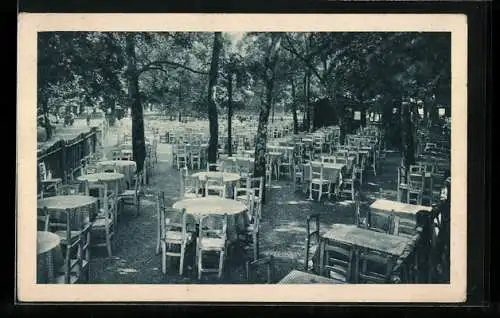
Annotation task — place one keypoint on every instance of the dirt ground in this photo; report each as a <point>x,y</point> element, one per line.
<point>134,260</point>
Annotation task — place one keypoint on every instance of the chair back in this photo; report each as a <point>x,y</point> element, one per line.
<point>108,167</point>
<point>404,227</point>
<point>416,181</point>
<point>316,170</point>
<point>328,159</point>
<point>116,154</point>
<point>214,167</point>
<point>173,220</point>
<point>190,186</point>
<point>415,169</point>
<point>341,160</point>
<point>230,166</point>
<point>75,188</point>
<point>254,270</point>
<point>381,222</point>
<point>375,267</point>
<point>338,260</point>
<point>126,154</point>
<point>43,219</point>
<point>213,226</point>
<point>312,235</point>
<point>211,180</point>
<point>257,186</point>
<point>105,202</point>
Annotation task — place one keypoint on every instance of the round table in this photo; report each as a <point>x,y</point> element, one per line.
<point>237,218</point>
<point>49,256</point>
<point>82,208</point>
<point>125,167</point>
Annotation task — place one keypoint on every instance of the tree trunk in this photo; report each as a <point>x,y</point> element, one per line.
<point>46,121</point>
<point>294,110</point>
<point>212,107</point>
<point>261,138</point>
<point>309,106</point>
<point>272,108</point>
<point>179,99</point>
<point>407,147</point>
<point>230,116</point>
<point>305,121</point>
<point>363,116</point>
<point>138,144</point>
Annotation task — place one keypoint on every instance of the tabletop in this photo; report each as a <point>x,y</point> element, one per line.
<point>274,153</point>
<point>122,163</point>
<point>46,241</point>
<point>226,176</point>
<point>241,159</point>
<point>300,277</point>
<point>328,165</point>
<point>102,176</point>
<point>398,207</point>
<point>351,234</point>
<point>62,202</point>
<point>210,205</point>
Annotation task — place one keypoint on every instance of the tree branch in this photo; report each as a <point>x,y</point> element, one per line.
<point>169,63</point>
<point>306,61</point>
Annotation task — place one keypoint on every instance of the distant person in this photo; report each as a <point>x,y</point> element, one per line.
<point>87,114</point>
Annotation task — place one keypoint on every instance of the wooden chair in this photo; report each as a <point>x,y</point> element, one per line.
<point>71,236</point>
<point>196,158</point>
<point>133,196</point>
<point>404,227</point>
<point>43,219</point>
<point>257,186</point>
<point>298,174</point>
<point>381,222</point>
<point>286,163</point>
<point>402,183</point>
<point>415,189</point>
<point>75,188</point>
<point>174,233</point>
<point>104,224</point>
<point>212,238</point>
<point>116,154</point>
<point>348,187</point>
<point>246,195</point>
<point>253,270</point>
<point>249,237</point>
<point>269,171</point>
<point>337,260</point>
<point>374,267</point>
<point>50,186</point>
<point>108,167</point>
<point>313,239</point>
<point>215,185</point>
<point>189,185</point>
<point>126,154</point>
<point>316,179</point>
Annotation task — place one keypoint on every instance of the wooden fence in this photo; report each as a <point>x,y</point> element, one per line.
<point>64,157</point>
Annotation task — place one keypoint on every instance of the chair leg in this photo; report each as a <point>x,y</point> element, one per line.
<point>310,191</point>
<point>163,258</point>
<point>108,244</point>
<point>200,253</point>
<point>181,262</point>
<point>221,263</point>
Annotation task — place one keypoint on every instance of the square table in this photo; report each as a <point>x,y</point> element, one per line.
<point>351,234</point>
<point>404,210</point>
